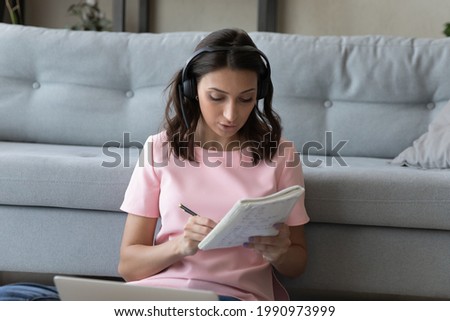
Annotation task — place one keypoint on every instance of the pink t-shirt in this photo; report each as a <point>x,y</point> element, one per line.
<point>160,182</point>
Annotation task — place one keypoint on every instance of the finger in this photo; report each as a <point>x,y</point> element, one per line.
<point>283,233</point>
<point>198,227</point>
<point>283,229</point>
<point>203,221</point>
<point>277,240</point>
<point>268,253</point>
<point>196,232</point>
<point>188,246</point>
<point>267,258</point>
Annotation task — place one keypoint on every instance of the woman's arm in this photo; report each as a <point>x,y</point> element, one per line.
<point>139,258</point>
<point>287,251</point>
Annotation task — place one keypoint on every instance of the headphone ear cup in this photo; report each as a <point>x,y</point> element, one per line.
<point>190,88</point>
<point>263,88</point>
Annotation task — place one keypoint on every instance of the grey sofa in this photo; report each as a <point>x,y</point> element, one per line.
<point>76,106</point>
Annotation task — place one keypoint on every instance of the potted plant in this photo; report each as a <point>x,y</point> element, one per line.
<point>14,11</point>
<point>447,29</point>
<point>91,17</point>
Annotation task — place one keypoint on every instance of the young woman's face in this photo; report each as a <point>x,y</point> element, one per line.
<point>226,97</point>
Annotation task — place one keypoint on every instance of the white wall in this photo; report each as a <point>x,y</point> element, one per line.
<point>204,15</point>
<point>411,18</point>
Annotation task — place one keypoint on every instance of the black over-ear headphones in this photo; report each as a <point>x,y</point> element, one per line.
<point>188,85</point>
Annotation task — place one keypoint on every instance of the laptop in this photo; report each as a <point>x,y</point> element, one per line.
<point>85,289</point>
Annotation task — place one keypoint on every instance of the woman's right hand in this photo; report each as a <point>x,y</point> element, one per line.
<point>195,230</point>
<point>141,258</point>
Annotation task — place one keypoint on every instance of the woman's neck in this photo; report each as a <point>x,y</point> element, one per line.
<point>206,140</point>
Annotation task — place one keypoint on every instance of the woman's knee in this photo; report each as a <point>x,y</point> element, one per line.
<point>28,292</point>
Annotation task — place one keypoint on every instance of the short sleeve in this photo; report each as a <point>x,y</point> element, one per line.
<point>142,194</point>
<point>291,173</point>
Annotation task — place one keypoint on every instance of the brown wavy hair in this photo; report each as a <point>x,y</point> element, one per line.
<point>262,131</point>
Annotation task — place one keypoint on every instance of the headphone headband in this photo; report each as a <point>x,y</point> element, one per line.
<point>189,85</point>
<point>209,49</point>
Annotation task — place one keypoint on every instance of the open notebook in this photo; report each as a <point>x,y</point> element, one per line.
<point>252,217</point>
<point>84,289</point>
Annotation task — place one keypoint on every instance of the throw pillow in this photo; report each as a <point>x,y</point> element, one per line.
<point>432,149</point>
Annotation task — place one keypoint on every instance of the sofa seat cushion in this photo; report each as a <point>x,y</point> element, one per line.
<point>371,191</point>
<point>65,176</point>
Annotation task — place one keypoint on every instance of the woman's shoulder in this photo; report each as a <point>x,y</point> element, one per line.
<point>156,147</point>
<point>158,139</point>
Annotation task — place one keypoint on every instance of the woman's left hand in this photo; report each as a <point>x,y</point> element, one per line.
<point>272,248</point>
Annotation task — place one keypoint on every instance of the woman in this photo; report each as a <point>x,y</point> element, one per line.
<point>218,146</point>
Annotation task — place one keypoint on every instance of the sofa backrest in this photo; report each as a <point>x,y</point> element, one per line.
<point>83,87</point>
<point>376,93</point>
